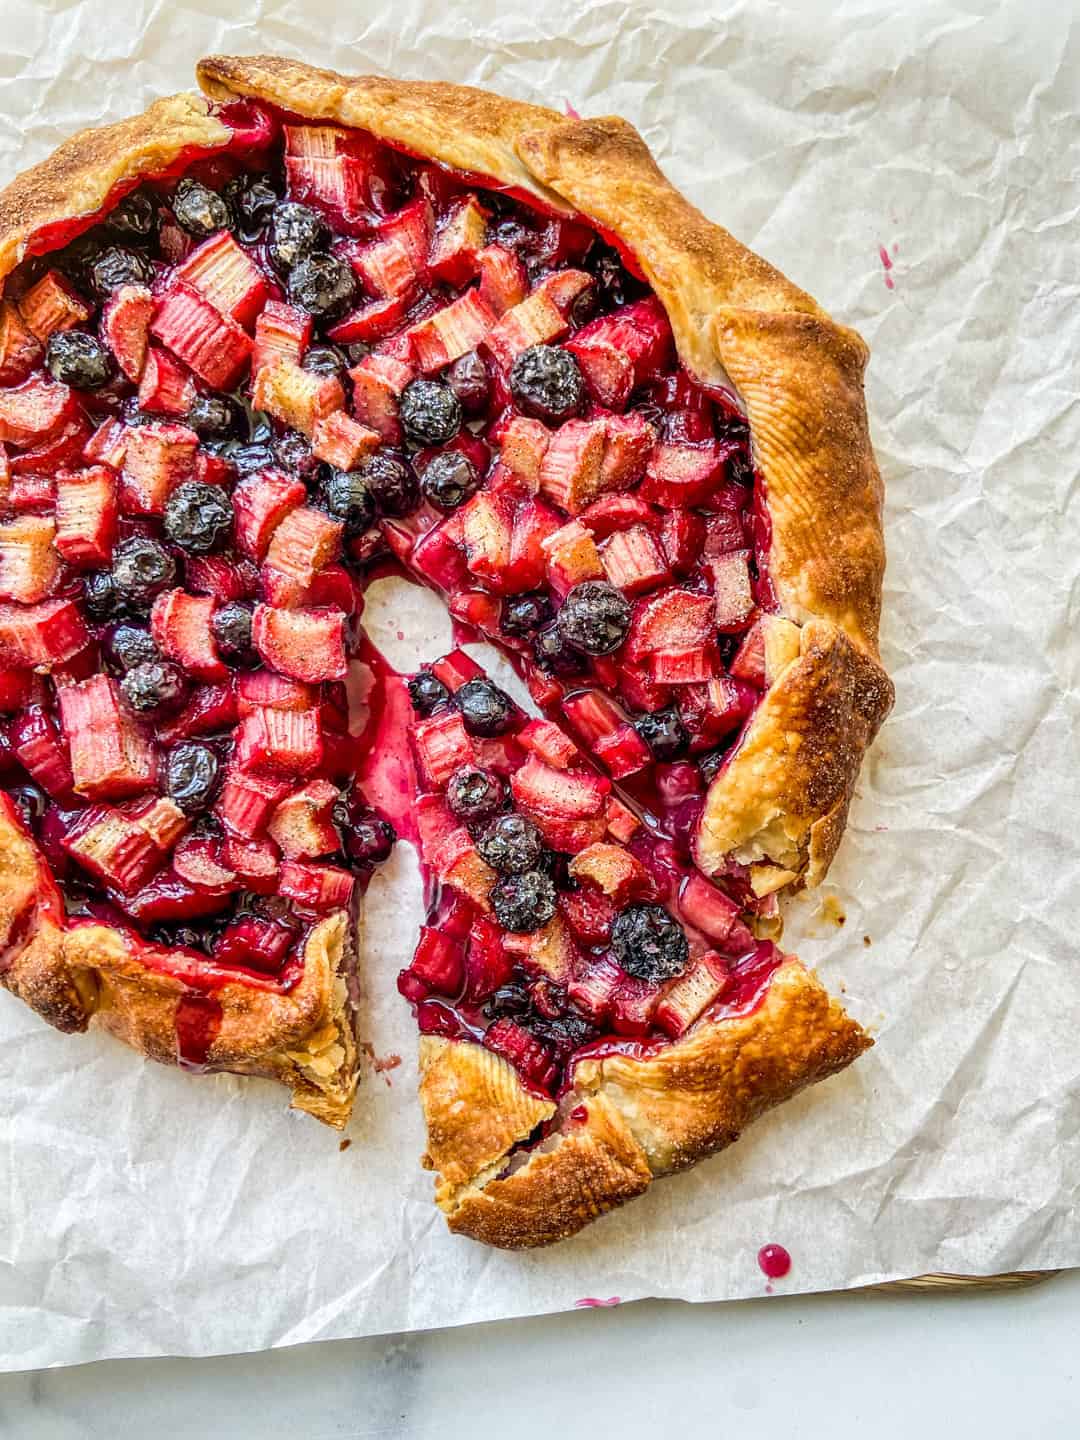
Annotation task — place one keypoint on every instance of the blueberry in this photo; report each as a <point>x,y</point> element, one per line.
<point>131,645</point>
<point>293,452</point>
<point>710,763</point>
<point>252,200</point>
<point>216,417</point>
<point>325,360</point>
<point>141,570</point>
<point>368,839</point>
<point>346,496</point>
<point>546,382</point>
<point>30,800</point>
<point>449,480</point>
<point>475,795</point>
<point>322,285</point>
<point>199,210</point>
<point>594,617</point>
<point>135,219</point>
<point>192,772</point>
<point>231,627</point>
<point>295,233</point>
<point>469,379</point>
<point>79,360</point>
<point>115,267</point>
<point>155,687</point>
<point>391,482</point>
<point>649,944</point>
<point>554,655</point>
<point>430,412</point>
<point>198,517</point>
<point>663,732</point>
<point>101,599</point>
<point>183,937</point>
<point>249,458</point>
<point>427,692</point>
<point>614,282</point>
<point>525,614</point>
<point>523,903</point>
<point>511,844</point>
<point>485,709</point>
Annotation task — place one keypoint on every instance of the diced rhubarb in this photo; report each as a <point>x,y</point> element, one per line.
<point>39,747</point>
<point>304,541</point>
<point>17,689</point>
<point>524,443</point>
<point>158,457</point>
<point>213,469</point>
<point>378,381</point>
<point>686,998</point>
<point>86,517</point>
<point>622,823</point>
<point>125,326</point>
<point>345,173</point>
<point>20,349</point>
<point>442,746</point>
<point>594,987</point>
<point>208,708</point>
<point>486,522</point>
<point>683,664</point>
<point>589,914</point>
<point>114,848</point>
<point>680,476</point>
<point>439,961</point>
<point>226,276</point>
<point>337,587</point>
<point>611,867</point>
<point>298,398</point>
<point>110,758</point>
<point>451,332</point>
<point>60,450</point>
<point>302,825</point>
<point>222,578</point>
<point>160,817</point>
<point>572,557</point>
<point>487,964</point>
<point>551,744</point>
<point>181,627</point>
<point>107,445</point>
<point>343,442</point>
<point>623,753</point>
<point>478,609</point>
<point>254,943</point>
<point>682,538</point>
<point>565,804</point>
<point>439,554</point>
<point>452,257</point>
<point>166,387</point>
<point>434,823</point>
<point>633,561</point>
<point>304,644</point>
<point>247,801</point>
<point>711,711</point>
<point>371,321</point>
<point>34,411</point>
<point>285,742</point>
<point>257,863</point>
<point>531,1058</point>
<point>724,531</point>
<point>49,633</point>
<point>570,469</point>
<point>504,281</point>
<point>704,906</point>
<point>619,352</point>
<point>52,305</point>
<point>455,669</point>
<point>748,662</point>
<point>459,864</point>
<point>617,512</point>
<point>282,332</point>
<point>673,618</point>
<point>263,689</point>
<point>394,262</point>
<point>216,348</point>
<point>537,320</point>
<point>633,1005</point>
<point>731,587</point>
<point>260,502</point>
<point>28,559</point>
<point>168,899</point>
<point>199,860</point>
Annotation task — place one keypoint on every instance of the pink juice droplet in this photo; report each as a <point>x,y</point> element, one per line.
<point>590,1302</point>
<point>774,1260</point>
<point>887,265</point>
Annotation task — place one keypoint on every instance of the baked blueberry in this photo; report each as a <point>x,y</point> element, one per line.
<point>523,903</point>
<point>192,772</point>
<point>134,220</point>
<point>430,412</point>
<point>474,794</point>
<point>252,200</point>
<point>115,267</point>
<point>469,379</point>
<point>427,692</point>
<point>368,839</point>
<point>154,687</point>
<point>101,599</point>
<point>293,452</point>
<point>216,417</point>
<point>525,614</point>
<point>198,517</point>
<point>709,764</point>
<point>546,382</point>
<point>142,569</point>
<point>325,360</point>
<point>449,480</point>
<point>322,285</point>
<point>346,496</point>
<point>131,645</point>
<point>554,655</point>
<point>649,943</point>
<point>511,844</point>
<point>391,481</point>
<point>260,455</point>
<point>594,617</point>
<point>296,231</point>
<point>485,709</point>
<point>231,627</point>
<point>79,360</point>
<point>200,211</point>
<point>663,732</point>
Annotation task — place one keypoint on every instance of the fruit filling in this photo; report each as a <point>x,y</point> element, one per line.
<point>250,386</point>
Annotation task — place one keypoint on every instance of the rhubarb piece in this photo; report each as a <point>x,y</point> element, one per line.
<point>451,332</point>
<point>533,1060</point>
<point>724,531</point>
<point>551,744</point>
<point>619,352</point>
<point>224,579</point>
<point>303,543</point>
<point>770,644</point>
<point>167,900</point>
<point>107,445</point>
<point>28,559</point>
<point>20,349</point>
<point>261,502</point>
<point>114,848</point>
<point>199,861</point>
<point>247,800</point>
<point>34,411</point>
<point>570,469</point>
<point>487,962</point>
<point>704,906</point>
<point>567,806</point>
<point>181,627</point>
<point>257,863</point>
<point>378,382</point>
<point>439,961</point>
<point>316,887</point>
<point>442,746</point>
<point>671,619</point>
<point>633,561</point>
<point>216,348</point>
<point>303,644</point>
<point>633,1006</point>
<point>686,999</point>
<point>504,281</point>
<point>371,321</point>
<point>622,823</point>
<point>613,513</point>
<point>486,523</point>
<point>572,558</point>
<point>258,689</point>
<point>285,742</point>
<point>157,458</point>
<point>613,869</point>
<point>537,320</point>
<point>302,825</point>
<point>208,708</point>
<point>110,758</point>
<point>282,332</point>
<point>225,276</point>
<point>343,442</point>
<point>455,670</point>
<point>394,263</point>
<point>459,864</point>
<point>681,476</point>
<point>454,249</point>
<point>86,514</point>
<point>731,587</point>
<point>346,174</point>
<point>524,443</point>
<point>439,554</point>
<point>683,665</point>
<point>296,397</point>
<point>17,689</point>
<point>46,634</point>
<point>42,751</point>
<point>125,325</point>
<point>682,539</point>
<point>254,943</point>
<point>160,817</point>
<point>52,305</point>
<point>166,387</point>
<point>594,987</point>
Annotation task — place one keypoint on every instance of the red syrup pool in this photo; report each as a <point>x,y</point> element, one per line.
<point>774,1261</point>
<point>379,715</point>
<point>198,1020</point>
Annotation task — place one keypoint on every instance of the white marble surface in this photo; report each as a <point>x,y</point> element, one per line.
<point>989,1365</point>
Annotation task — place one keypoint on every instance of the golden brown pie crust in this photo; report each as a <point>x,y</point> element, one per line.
<point>784,794</point>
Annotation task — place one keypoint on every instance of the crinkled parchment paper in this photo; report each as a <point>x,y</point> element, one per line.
<point>918,172</point>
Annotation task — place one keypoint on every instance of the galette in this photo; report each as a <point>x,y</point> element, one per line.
<point>259,348</point>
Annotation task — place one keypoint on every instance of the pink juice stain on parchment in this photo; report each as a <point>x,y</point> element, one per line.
<point>589,1302</point>
<point>887,265</point>
<point>774,1262</point>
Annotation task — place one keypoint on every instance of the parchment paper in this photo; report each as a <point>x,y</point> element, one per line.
<point>918,172</point>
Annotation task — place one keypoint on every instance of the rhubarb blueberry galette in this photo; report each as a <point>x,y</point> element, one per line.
<point>260,348</point>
